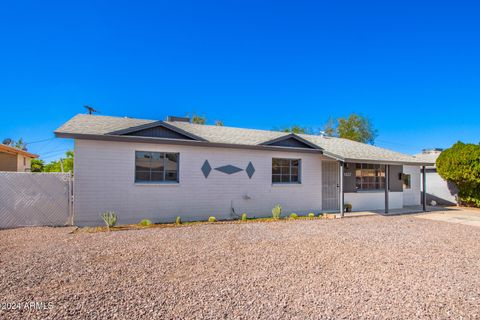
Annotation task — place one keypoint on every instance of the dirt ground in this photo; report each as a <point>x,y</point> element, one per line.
<point>400,267</point>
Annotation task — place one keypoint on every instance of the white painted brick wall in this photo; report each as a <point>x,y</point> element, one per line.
<point>412,197</point>
<point>104,180</point>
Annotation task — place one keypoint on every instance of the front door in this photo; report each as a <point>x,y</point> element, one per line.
<point>330,186</point>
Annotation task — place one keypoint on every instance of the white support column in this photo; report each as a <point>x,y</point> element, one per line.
<point>387,185</point>
<point>340,190</point>
<point>424,188</point>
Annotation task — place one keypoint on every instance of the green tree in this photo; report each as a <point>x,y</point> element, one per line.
<point>219,123</point>
<point>198,119</point>
<point>37,165</point>
<point>66,163</point>
<point>460,164</point>
<point>355,127</point>
<point>296,129</point>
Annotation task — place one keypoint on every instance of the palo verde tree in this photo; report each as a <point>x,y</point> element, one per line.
<point>355,127</point>
<point>460,164</point>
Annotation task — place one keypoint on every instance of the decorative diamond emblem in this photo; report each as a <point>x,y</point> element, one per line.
<point>206,169</point>
<point>250,170</point>
<point>229,169</point>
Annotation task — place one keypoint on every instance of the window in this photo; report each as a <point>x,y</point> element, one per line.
<point>286,170</point>
<point>407,181</point>
<point>370,176</point>
<point>157,167</point>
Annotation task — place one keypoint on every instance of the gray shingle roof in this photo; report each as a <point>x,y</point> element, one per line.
<point>345,149</point>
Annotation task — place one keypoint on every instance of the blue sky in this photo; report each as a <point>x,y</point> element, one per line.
<point>412,67</point>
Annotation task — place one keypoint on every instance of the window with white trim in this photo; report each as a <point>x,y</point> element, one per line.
<point>370,176</point>
<point>286,170</point>
<point>156,167</point>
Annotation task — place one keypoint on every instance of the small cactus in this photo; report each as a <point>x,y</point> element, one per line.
<point>212,219</point>
<point>145,223</point>
<point>178,220</point>
<point>293,216</point>
<point>110,219</point>
<point>244,217</point>
<point>277,211</point>
<point>311,215</point>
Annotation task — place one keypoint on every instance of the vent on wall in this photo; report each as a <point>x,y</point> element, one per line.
<point>179,119</point>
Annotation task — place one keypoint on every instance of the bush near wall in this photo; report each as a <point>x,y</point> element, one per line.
<point>460,164</point>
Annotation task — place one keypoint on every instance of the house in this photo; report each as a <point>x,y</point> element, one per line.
<point>157,170</point>
<point>14,159</point>
<point>439,191</point>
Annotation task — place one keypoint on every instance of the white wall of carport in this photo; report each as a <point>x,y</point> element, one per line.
<point>104,180</point>
<point>412,196</point>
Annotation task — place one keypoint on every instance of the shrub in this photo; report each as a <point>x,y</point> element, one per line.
<point>145,223</point>
<point>178,220</point>
<point>212,219</point>
<point>460,164</point>
<point>244,217</point>
<point>293,216</point>
<point>277,211</point>
<point>311,215</point>
<point>347,207</point>
<point>110,219</point>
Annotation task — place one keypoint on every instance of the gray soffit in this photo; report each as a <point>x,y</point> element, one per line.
<point>132,130</point>
<point>229,169</point>
<point>286,141</point>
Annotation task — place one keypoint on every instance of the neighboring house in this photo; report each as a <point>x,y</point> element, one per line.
<point>147,169</point>
<point>14,159</point>
<point>439,190</point>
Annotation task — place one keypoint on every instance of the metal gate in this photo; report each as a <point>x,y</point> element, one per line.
<point>330,186</point>
<point>35,199</point>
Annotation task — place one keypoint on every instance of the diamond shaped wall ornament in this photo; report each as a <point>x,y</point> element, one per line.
<point>250,170</point>
<point>229,169</point>
<point>206,169</point>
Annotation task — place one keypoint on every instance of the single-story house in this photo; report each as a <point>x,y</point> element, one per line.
<point>14,159</point>
<point>158,170</point>
<point>439,191</point>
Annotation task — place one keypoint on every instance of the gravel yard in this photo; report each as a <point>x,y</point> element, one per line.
<point>370,267</point>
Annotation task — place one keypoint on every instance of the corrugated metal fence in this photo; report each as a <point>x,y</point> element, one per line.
<point>35,199</point>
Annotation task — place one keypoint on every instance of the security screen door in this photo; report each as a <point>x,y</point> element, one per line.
<point>330,186</point>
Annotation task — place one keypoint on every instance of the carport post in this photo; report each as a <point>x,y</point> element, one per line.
<point>424,188</point>
<point>340,189</point>
<point>387,184</point>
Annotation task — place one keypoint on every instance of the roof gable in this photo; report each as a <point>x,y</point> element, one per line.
<point>291,141</point>
<point>158,129</point>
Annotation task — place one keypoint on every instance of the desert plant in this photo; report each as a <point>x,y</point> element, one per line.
<point>244,216</point>
<point>311,215</point>
<point>293,215</point>
<point>277,211</point>
<point>347,207</point>
<point>178,220</point>
<point>110,219</point>
<point>145,223</point>
<point>212,219</point>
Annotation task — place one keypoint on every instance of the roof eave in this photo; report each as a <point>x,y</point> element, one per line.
<point>123,138</point>
<point>11,150</point>
<point>389,161</point>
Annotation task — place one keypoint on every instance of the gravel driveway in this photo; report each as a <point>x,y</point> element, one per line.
<point>370,267</point>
